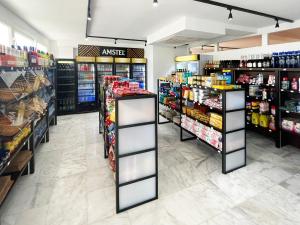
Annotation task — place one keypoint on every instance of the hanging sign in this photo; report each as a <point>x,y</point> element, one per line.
<point>113,51</point>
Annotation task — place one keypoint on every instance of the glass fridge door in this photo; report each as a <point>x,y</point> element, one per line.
<point>66,87</point>
<point>123,70</point>
<point>139,74</point>
<point>104,70</point>
<point>86,83</point>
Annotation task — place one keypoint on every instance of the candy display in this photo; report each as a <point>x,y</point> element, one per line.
<point>203,132</point>
<point>291,125</point>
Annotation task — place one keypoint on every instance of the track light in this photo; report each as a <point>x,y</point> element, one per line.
<point>230,17</point>
<point>145,43</point>
<point>89,15</point>
<point>115,41</point>
<point>155,3</point>
<point>202,47</point>
<point>277,23</point>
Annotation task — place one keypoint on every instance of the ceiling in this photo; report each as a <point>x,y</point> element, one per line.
<point>66,20</point>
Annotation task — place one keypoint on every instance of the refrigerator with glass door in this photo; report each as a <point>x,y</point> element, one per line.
<point>86,84</point>
<point>122,67</point>
<point>139,71</point>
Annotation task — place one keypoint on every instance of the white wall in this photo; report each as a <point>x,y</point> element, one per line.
<point>19,25</point>
<point>236,54</point>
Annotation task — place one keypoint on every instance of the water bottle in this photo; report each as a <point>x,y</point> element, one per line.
<point>297,59</point>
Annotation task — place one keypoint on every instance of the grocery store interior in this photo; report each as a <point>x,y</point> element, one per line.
<point>152,112</point>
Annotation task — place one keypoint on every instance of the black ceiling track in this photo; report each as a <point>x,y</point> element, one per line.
<point>232,7</point>
<point>104,37</point>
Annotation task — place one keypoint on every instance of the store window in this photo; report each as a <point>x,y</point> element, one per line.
<point>4,37</point>
<point>22,40</point>
<point>286,36</point>
<point>41,47</point>
<point>248,42</point>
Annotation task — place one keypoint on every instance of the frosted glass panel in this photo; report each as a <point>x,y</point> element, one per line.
<point>235,140</point>
<point>136,111</point>
<point>235,100</point>
<point>235,160</point>
<point>136,138</point>
<point>235,120</point>
<point>136,166</point>
<point>135,193</point>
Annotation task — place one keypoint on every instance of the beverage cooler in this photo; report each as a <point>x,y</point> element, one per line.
<point>86,84</point>
<point>192,63</point>
<point>139,71</point>
<point>104,67</point>
<point>122,67</point>
<point>66,86</point>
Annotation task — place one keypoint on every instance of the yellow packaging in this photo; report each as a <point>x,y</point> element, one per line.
<point>255,118</point>
<point>264,121</point>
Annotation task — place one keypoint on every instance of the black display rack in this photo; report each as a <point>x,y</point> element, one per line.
<point>167,120</point>
<point>39,133</point>
<point>289,137</point>
<point>280,136</point>
<point>134,179</point>
<point>233,151</point>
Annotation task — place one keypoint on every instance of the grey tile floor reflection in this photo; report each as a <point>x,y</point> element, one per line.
<point>74,186</point>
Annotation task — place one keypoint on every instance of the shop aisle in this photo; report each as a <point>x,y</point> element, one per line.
<point>73,185</point>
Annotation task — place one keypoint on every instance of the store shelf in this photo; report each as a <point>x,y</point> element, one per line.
<point>212,109</point>
<point>290,91</point>
<point>176,110</point>
<point>15,153</point>
<point>203,123</point>
<point>160,114</point>
<point>203,141</point>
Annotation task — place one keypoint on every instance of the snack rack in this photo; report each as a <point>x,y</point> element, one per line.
<point>231,137</point>
<point>24,97</point>
<point>289,111</point>
<point>170,110</point>
<point>133,152</point>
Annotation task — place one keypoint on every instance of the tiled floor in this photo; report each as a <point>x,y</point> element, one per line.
<point>74,186</point>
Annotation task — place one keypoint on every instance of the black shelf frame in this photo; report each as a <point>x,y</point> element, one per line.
<point>275,135</point>
<point>168,120</point>
<point>120,156</point>
<point>288,137</point>
<point>155,149</point>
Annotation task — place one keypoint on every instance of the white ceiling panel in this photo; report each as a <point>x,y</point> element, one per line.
<point>66,19</point>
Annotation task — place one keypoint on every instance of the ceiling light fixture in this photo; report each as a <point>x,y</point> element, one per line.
<point>230,17</point>
<point>155,3</point>
<point>89,15</point>
<point>145,43</point>
<point>245,10</point>
<point>277,23</point>
<point>115,41</point>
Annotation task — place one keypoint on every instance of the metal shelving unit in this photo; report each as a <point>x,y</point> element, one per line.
<point>168,120</point>
<point>233,132</point>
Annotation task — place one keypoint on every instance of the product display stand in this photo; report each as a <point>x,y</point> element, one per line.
<point>134,149</point>
<point>232,145</point>
<point>25,98</point>
<point>289,102</point>
<point>169,119</point>
<point>277,97</point>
